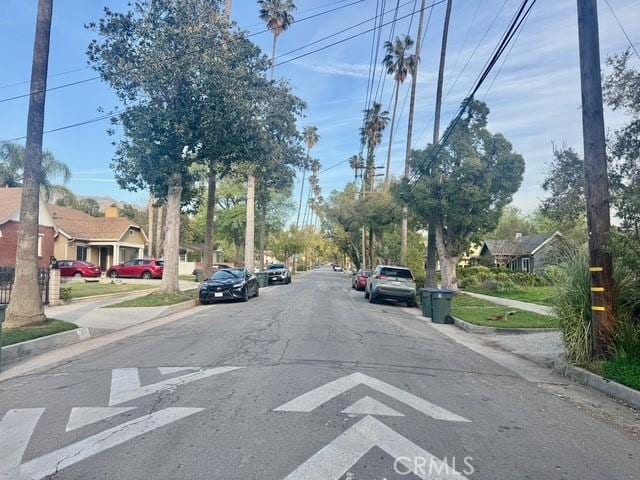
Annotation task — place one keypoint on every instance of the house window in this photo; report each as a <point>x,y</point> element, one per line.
<point>183,256</point>
<point>81,253</point>
<point>40,237</point>
<point>525,265</point>
<point>131,232</point>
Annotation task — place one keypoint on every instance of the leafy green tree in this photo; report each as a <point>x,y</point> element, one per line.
<point>512,221</point>
<point>375,121</point>
<point>158,58</point>
<point>399,63</point>
<point>343,223</point>
<point>464,186</point>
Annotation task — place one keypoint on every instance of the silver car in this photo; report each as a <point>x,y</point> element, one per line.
<point>391,283</point>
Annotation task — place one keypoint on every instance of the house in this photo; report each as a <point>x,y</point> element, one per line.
<point>10,201</point>
<point>191,256</point>
<point>525,253</point>
<point>103,241</point>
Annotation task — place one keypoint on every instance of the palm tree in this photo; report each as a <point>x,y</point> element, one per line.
<point>375,121</point>
<point>311,138</point>
<point>399,63</point>
<point>25,306</point>
<point>356,162</point>
<point>278,15</point>
<point>12,162</point>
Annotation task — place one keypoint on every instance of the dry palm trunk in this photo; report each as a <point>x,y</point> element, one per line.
<point>150,227</point>
<point>209,233</point>
<point>170,274</point>
<point>159,231</point>
<point>25,306</point>
<point>249,238</point>
<point>262,234</point>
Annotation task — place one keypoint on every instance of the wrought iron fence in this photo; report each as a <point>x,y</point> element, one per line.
<point>7,276</point>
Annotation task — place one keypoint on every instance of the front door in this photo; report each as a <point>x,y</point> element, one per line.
<point>104,258</point>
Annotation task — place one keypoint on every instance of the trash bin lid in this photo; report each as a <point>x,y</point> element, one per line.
<point>443,293</point>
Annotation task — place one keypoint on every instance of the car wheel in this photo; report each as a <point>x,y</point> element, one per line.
<point>366,293</point>
<point>113,274</point>
<point>411,304</point>
<point>77,275</point>
<point>245,295</point>
<point>147,275</point>
<point>372,298</point>
<point>204,302</point>
<point>257,292</point>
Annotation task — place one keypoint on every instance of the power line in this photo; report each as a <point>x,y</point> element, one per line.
<point>622,28</point>
<point>520,16</point>
<point>359,34</point>
<point>315,15</point>
<point>65,127</point>
<point>64,85</point>
<point>26,82</point>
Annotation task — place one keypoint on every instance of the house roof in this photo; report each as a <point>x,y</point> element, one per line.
<point>525,245</point>
<point>10,199</point>
<point>80,225</point>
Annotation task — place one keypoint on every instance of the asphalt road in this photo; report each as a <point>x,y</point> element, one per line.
<point>399,396</point>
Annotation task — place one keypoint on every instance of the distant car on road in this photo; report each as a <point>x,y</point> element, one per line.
<point>78,269</point>
<point>146,268</point>
<point>338,268</point>
<point>359,281</point>
<point>391,283</point>
<point>279,272</point>
<point>229,284</point>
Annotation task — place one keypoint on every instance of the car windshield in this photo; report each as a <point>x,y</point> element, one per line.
<point>160,263</point>
<point>396,272</point>
<point>226,274</point>
<point>276,266</point>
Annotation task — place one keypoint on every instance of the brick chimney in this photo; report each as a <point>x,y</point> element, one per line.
<point>112,212</point>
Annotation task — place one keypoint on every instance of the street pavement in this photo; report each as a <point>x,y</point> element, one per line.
<point>308,381</point>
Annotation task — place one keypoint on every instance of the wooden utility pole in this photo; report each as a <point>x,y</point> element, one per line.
<point>407,158</point>
<point>431,234</point>
<point>596,180</point>
<point>249,241</point>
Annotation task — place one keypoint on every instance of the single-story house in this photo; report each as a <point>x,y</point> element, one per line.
<point>10,201</point>
<point>103,241</point>
<point>191,256</point>
<point>525,253</point>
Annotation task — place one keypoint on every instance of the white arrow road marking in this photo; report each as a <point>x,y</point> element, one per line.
<point>50,463</point>
<point>16,428</point>
<point>170,370</point>
<point>335,460</point>
<point>369,406</point>
<point>125,383</point>
<point>313,399</point>
<point>83,416</point>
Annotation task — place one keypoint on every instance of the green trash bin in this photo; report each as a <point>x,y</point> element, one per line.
<point>2,309</point>
<point>263,279</point>
<point>425,295</point>
<point>199,275</point>
<point>441,306</point>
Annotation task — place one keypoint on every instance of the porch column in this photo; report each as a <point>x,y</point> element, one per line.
<point>116,254</point>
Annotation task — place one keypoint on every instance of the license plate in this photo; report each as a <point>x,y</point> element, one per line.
<point>396,283</point>
<point>217,294</point>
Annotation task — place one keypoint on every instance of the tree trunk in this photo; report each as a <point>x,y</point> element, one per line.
<point>273,56</point>
<point>209,233</point>
<point>159,231</point>
<point>25,306</point>
<point>364,254</point>
<point>393,122</point>
<point>304,174</point>
<point>150,227</point>
<point>448,263</point>
<point>405,235</point>
<point>170,276</point>
<point>371,248</point>
<point>430,281</point>
<point>249,238</point>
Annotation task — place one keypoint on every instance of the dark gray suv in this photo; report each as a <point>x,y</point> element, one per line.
<point>279,272</point>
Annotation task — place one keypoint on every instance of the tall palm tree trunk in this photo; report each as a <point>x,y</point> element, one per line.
<point>170,275</point>
<point>304,174</point>
<point>249,238</point>
<point>262,232</point>
<point>393,122</point>
<point>407,159</point>
<point>159,231</point>
<point>432,237</point>
<point>150,235</point>
<point>273,56</point>
<point>25,306</point>
<point>209,234</point>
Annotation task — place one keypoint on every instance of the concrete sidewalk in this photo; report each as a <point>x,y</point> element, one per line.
<point>529,307</point>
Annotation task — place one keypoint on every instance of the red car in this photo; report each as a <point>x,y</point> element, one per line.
<point>359,281</point>
<point>146,268</point>
<point>78,269</point>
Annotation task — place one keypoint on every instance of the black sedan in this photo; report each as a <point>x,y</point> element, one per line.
<point>229,284</point>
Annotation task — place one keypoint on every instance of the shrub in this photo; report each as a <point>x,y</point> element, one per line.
<point>65,294</point>
<point>506,287</point>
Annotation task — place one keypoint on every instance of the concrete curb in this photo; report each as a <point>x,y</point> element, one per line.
<point>18,352</point>
<point>608,387</point>
<point>177,308</point>
<point>482,330</point>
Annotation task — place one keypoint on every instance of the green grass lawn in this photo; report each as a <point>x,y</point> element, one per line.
<point>17,335</point>
<point>537,295</point>
<point>188,278</point>
<point>88,289</point>
<point>479,312</point>
<point>157,299</point>
<point>623,370</point>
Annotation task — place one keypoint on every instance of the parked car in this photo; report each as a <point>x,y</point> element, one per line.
<point>78,269</point>
<point>279,272</point>
<point>391,283</point>
<point>337,268</point>
<point>146,268</point>
<point>229,284</point>
<point>359,281</point>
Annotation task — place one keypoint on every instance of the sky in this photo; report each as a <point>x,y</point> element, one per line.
<point>534,98</point>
